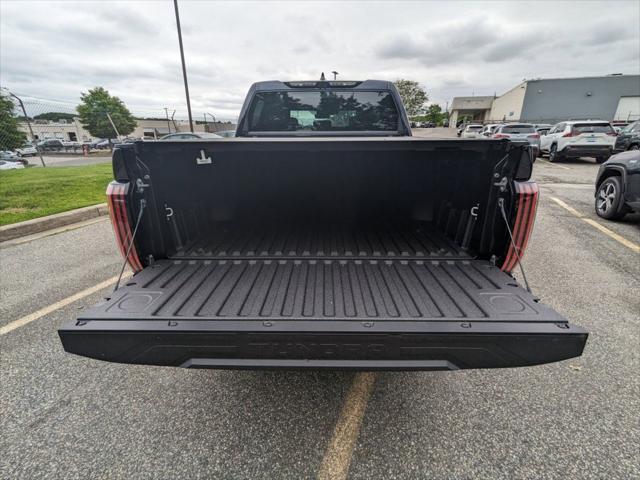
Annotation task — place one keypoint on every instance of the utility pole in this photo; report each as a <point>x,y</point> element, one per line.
<point>184,68</point>
<point>335,74</point>
<point>26,119</point>
<point>113,125</point>
<point>166,112</point>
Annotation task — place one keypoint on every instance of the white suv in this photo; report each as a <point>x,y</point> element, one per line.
<point>472,131</point>
<point>579,138</point>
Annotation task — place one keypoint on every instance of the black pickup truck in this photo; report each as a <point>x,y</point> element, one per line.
<point>323,236</point>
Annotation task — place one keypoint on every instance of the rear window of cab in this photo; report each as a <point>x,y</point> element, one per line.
<point>593,127</point>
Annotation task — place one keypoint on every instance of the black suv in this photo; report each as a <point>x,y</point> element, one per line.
<point>629,138</point>
<point>618,186</point>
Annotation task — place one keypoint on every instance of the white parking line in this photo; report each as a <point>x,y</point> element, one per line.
<point>553,164</point>
<point>337,458</point>
<point>618,238</point>
<point>21,322</point>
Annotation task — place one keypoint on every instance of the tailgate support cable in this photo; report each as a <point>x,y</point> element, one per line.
<point>513,243</point>
<point>143,204</point>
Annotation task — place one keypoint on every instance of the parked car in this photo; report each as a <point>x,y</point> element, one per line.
<point>227,133</point>
<point>542,128</point>
<point>190,136</point>
<point>27,150</point>
<point>291,252</point>
<point>628,138</point>
<point>7,165</point>
<point>579,138</point>
<point>50,145</point>
<point>9,156</point>
<point>618,186</point>
<point>489,129</point>
<point>520,131</point>
<point>102,144</point>
<point>472,131</point>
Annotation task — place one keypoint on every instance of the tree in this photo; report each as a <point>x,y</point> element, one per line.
<point>93,110</point>
<point>413,96</point>
<point>10,135</point>
<point>435,114</point>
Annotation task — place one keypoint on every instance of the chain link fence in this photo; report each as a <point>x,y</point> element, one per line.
<point>33,130</point>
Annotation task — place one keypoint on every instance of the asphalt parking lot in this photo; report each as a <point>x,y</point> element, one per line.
<point>68,417</point>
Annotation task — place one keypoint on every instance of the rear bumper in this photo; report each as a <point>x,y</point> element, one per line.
<point>586,151</point>
<point>382,345</point>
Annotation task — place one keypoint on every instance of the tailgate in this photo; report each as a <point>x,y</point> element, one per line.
<point>428,314</point>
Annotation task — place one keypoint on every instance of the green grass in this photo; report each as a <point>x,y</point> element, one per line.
<point>36,192</point>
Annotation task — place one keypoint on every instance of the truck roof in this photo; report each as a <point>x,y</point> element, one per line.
<point>269,85</point>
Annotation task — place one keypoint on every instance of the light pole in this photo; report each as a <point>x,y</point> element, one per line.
<point>184,68</point>
<point>26,119</point>
<point>205,119</point>
<point>335,74</point>
<point>166,113</point>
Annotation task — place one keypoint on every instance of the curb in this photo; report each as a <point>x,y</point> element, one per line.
<point>37,225</point>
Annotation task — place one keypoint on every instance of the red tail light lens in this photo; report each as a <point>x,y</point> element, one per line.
<point>117,201</point>
<point>571,133</point>
<point>526,206</point>
<point>613,133</point>
<point>501,135</point>
<point>534,135</point>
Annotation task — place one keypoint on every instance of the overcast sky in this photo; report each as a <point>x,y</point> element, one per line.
<point>58,49</point>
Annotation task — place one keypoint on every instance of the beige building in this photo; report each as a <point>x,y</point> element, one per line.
<point>73,131</point>
<point>508,106</point>
<point>472,109</point>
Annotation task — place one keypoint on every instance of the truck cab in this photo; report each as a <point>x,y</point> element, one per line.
<point>368,108</point>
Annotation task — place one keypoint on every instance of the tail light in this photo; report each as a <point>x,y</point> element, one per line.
<point>117,201</point>
<point>534,135</point>
<point>613,133</point>
<point>502,135</point>
<point>526,206</point>
<point>572,133</point>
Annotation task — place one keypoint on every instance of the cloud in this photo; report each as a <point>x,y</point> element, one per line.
<point>58,49</point>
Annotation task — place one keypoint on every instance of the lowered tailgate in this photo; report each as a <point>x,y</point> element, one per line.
<point>408,313</point>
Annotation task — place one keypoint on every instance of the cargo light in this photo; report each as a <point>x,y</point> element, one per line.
<point>301,84</point>
<point>526,206</point>
<point>117,201</point>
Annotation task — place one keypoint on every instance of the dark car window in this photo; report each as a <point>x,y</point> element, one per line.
<point>515,129</point>
<point>323,111</point>
<point>593,128</point>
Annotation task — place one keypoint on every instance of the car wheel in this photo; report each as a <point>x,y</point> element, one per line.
<point>634,147</point>
<point>608,199</point>
<point>554,156</point>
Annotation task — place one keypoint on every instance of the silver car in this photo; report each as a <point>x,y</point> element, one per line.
<point>520,131</point>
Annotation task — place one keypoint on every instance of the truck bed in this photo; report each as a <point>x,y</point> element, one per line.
<point>323,299</point>
<point>332,253</point>
<point>328,289</point>
<point>410,240</point>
